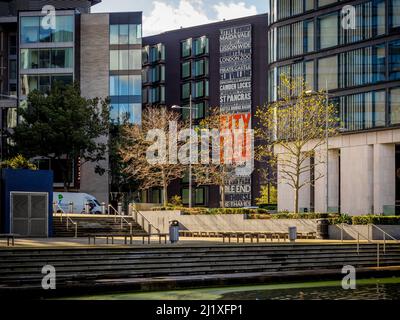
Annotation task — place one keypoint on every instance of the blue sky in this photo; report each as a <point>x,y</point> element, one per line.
<point>163,15</point>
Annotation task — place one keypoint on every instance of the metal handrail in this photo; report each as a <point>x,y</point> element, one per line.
<point>341,226</point>
<point>116,213</point>
<point>384,235</point>
<point>143,220</point>
<point>75,224</point>
<point>127,222</point>
<point>57,206</point>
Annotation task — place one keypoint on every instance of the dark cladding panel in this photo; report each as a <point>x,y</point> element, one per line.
<point>126,18</point>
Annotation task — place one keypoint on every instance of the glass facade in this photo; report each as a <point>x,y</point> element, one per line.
<point>32,30</point>
<point>126,73</point>
<point>328,30</point>
<point>125,34</point>
<point>46,58</point>
<point>42,82</point>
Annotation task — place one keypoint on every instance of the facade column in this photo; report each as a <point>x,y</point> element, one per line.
<point>333,179</point>
<point>384,176</point>
<point>357,180</point>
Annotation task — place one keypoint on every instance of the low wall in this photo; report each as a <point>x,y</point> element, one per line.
<point>226,222</point>
<point>350,233</point>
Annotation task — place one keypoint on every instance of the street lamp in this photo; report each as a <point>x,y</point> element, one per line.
<point>327,95</point>
<point>190,108</point>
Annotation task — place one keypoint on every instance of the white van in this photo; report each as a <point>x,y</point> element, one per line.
<point>79,200</point>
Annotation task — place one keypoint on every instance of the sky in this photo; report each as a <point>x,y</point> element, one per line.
<point>164,15</point>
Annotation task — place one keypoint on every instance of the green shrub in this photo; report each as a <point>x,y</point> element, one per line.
<point>372,219</point>
<point>18,162</point>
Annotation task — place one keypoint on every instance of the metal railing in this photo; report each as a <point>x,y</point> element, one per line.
<point>112,209</point>
<point>359,235</point>
<point>123,220</point>
<point>75,225</point>
<point>369,239</point>
<point>384,234</point>
<point>142,220</point>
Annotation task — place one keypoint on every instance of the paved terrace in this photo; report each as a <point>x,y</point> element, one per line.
<point>119,241</point>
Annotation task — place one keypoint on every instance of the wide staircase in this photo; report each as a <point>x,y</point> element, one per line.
<point>86,224</point>
<point>97,267</point>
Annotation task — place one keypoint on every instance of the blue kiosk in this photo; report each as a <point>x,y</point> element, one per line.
<point>26,206</point>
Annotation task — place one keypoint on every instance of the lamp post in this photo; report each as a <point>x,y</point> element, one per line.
<point>326,141</point>
<point>190,144</point>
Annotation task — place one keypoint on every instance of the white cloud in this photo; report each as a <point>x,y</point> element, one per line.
<point>188,13</point>
<point>233,10</point>
<point>166,17</point>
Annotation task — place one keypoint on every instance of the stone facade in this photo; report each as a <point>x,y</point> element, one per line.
<point>362,175</point>
<point>95,83</point>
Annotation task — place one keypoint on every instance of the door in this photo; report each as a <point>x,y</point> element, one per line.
<point>29,214</point>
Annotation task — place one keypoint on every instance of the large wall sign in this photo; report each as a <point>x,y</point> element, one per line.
<point>235,97</point>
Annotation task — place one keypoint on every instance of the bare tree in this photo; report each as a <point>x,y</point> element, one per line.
<point>218,172</point>
<point>298,124</point>
<point>137,142</point>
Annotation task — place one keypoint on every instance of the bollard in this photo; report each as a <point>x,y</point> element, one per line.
<point>120,208</point>
<point>103,208</point>
<point>87,208</point>
<point>71,207</point>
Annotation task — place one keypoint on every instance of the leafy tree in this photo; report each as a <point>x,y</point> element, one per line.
<point>293,129</point>
<point>63,125</point>
<point>268,195</point>
<point>18,162</point>
<point>135,145</point>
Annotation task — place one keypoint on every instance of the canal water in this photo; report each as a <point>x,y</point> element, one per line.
<point>366,289</point>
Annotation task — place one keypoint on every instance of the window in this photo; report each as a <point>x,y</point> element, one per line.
<point>284,7</point>
<point>309,74</point>
<point>284,42</point>
<point>135,85</point>
<point>380,17</point>
<point>123,85</point>
<point>297,38</point>
<point>380,63</point>
<point>12,44</point>
<point>199,111</point>
<point>29,29</point>
<point>395,13</point>
<point>309,36</point>
<point>42,83</point>
<point>185,91</point>
<point>114,34</point>
<point>186,70</point>
<point>135,60</point>
<point>186,48</point>
<point>328,31</point>
<point>200,68</point>
<point>201,46</point>
<point>46,58</point>
<point>363,110</point>
<point>322,3</point>
<point>13,69</point>
<point>200,89</point>
<point>395,106</point>
<point>309,4</point>
<point>123,60</point>
<point>394,58</point>
<point>123,34</point>
<point>114,85</point>
<point>64,29</point>
<point>328,73</point>
<point>114,64</point>
<point>135,34</point>
<point>122,113</point>
<point>198,194</point>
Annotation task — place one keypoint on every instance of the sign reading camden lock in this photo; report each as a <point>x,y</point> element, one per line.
<point>235,97</point>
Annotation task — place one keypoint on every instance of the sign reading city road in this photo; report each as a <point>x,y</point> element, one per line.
<point>235,97</point>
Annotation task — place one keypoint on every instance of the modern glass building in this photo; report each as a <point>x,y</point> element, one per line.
<point>102,52</point>
<point>184,65</point>
<point>351,49</point>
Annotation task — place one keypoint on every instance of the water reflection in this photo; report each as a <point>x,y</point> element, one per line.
<point>363,292</point>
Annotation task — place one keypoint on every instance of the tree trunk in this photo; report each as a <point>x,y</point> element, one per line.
<point>223,196</point>
<point>296,200</point>
<point>165,189</point>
